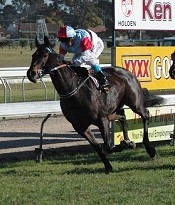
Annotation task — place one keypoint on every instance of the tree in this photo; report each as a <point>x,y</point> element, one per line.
<point>79,13</point>
<point>2,2</point>
<point>9,13</point>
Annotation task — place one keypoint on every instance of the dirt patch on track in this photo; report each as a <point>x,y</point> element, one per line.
<point>20,137</point>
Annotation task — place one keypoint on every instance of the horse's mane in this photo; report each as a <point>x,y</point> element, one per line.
<point>80,71</point>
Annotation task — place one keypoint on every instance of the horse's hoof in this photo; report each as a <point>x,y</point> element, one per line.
<point>108,169</point>
<point>124,144</point>
<point>151,151</point>
<point>117,148</point>
<point>132,145</point>
<point>127,144</point>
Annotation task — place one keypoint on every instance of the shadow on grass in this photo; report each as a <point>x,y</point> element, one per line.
<point>18,139</point>
<point>84,154</point>
<point>120,170</point>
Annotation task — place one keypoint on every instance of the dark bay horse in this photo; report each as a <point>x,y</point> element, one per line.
<point>84,105</point>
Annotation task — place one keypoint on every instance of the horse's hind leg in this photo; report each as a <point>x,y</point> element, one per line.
<point>88,135</point>
<point>126,142</point>
<point>150,149</point>
<point>144,113</point>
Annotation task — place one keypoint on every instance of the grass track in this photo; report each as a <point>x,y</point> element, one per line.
<point>80,180</point>
<point>17,57</point>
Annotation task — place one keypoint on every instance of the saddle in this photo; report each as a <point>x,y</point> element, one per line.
<point>84,73</point>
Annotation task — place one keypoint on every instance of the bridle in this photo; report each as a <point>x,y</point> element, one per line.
<point>49,50</point>
<point>73,92</point>
<point>43,65</point>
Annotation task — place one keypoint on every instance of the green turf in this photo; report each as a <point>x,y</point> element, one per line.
<point>81,180</point>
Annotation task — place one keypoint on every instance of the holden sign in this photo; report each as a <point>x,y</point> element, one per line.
<point>144,14</point>
<point>127,7</point>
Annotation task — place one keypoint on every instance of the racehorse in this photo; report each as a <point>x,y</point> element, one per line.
<point>83,104</point>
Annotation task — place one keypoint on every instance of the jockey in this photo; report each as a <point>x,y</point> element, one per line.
<point>86,46</point>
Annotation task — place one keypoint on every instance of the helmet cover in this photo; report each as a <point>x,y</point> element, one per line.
<point>66,32</point>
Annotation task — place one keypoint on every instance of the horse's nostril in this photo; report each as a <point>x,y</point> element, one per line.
<point>33,73</point>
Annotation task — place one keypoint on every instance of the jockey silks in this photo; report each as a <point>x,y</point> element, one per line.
<point>86,46</point>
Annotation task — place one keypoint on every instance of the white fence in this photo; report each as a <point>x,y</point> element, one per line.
<point>13,75</point>
<point>28,109</point>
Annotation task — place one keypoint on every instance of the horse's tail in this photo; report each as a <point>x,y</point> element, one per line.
<point>151,100</point>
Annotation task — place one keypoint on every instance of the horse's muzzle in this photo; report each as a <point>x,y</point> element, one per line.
<point>33,75</point>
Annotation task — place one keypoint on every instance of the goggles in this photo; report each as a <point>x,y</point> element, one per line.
<point>65,40</point>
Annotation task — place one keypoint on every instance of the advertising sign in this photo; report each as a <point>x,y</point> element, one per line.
<point>160,127</point>
<point>149,64</point>
<point>144,14</point>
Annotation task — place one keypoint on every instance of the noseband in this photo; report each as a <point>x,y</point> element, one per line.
<point>44,69</point>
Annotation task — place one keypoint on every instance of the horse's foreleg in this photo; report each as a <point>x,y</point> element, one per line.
<point>150,149</point>
<point>88,135</point>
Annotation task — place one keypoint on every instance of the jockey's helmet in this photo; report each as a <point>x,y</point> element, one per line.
<point>66,33</point>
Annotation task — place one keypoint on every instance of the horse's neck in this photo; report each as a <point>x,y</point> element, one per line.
<point>64,80</point>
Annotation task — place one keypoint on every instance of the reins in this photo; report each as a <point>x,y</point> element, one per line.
<point>74,91</point>
<point>58,67</point>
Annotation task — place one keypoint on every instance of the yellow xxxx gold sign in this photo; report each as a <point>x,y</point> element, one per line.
<point>150,64</point>
<point>138,65</point>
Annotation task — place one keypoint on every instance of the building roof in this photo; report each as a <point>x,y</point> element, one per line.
<point>32,27</point>
<point>3,30</point>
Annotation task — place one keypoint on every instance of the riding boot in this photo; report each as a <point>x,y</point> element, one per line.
<point>104,83</point>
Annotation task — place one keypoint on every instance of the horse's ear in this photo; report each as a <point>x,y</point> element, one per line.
<point>36,42</point>
<point>46,41</point>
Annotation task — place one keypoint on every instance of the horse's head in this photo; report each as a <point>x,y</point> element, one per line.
<point>172,68</point>
<point>40,59</point>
